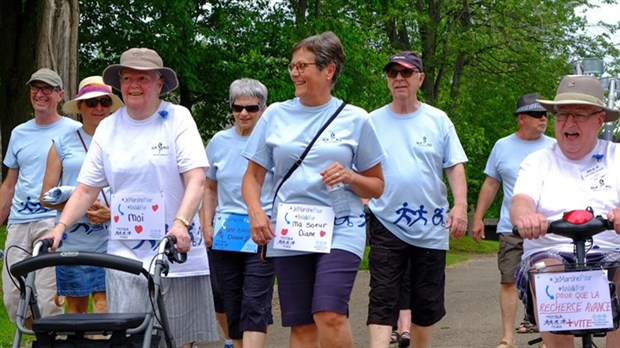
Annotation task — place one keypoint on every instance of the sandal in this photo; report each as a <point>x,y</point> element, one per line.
<point>395,337</point>
<point>504,344</point>
<point>526,327</point>
<point>405,339</point>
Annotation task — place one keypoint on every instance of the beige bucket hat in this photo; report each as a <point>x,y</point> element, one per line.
<point>580,90</point>
<point>141,59</point>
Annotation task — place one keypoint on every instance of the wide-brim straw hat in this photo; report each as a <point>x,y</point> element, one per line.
<point>144,59</point>
<point>91,87</point>
<point>580,90</point>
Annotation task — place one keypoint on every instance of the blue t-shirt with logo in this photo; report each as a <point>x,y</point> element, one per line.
<point>27,152</point>
<point>281,136</point>
<point>420,145</point>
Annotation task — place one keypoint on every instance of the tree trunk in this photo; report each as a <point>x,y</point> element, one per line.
<point>34,34</point>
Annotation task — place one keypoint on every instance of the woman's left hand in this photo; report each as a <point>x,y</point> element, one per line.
<point>98,213</point>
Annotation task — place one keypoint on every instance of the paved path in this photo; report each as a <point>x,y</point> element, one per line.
<point>473,319</point>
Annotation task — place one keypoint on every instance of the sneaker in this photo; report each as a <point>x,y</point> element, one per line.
<point>228,345</point>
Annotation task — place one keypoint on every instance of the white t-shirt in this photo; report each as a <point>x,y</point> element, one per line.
<point>149,156</point>
<point>558,184</point>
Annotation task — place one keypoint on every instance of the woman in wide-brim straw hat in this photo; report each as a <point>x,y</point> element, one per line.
<point>94,102</point>
<point>151,149</point>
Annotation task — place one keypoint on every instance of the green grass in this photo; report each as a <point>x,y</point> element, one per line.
<point>461,250</point>
<point>6,327</point>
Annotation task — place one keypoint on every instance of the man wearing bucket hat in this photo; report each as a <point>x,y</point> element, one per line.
<point>19,194</point>
<point>578,171</point>
<point>411,222</point>
<point>502,169</point>
<point>94,102</point>
<point>150,150</point>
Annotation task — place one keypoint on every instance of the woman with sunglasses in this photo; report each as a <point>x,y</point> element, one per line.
<point>315,275</point>
<point>94,102</point>
<point>243,283</point>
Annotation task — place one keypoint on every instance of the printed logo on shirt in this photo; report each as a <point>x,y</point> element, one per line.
<point>160,150</point>
<point>424,142</point>
<point>332,138</point>
<point>600,185</point>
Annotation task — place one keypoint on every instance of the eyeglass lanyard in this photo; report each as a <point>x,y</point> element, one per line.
<point>86,150</point>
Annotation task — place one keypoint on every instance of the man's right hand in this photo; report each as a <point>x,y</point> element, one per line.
<point>477,230</point>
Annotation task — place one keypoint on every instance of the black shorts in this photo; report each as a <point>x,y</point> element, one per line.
<point>388,260</point>
<point>245,285</point>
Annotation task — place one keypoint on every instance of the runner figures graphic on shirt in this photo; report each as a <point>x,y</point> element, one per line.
<point>32,207</point>
<point>409,214</point>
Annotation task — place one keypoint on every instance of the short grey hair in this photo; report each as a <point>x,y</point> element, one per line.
<point>248,88</point>
<point>327,48</point>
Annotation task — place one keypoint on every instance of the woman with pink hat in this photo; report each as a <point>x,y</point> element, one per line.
<point>94,102</point>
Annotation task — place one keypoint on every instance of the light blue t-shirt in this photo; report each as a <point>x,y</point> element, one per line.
<point>283,133</point>
<point>27,152</point>
<point>227,166</point>
<point>82,235</point>
<point>503,165</point>
<point>420,145</point>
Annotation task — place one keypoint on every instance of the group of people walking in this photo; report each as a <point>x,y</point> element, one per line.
<point>282,195</point>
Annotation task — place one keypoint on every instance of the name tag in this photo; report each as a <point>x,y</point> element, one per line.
<point>137,216</point>
<point>303,227</point>
<point>232,233</point>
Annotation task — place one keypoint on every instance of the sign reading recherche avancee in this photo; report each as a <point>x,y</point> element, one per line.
<point>568,301</point>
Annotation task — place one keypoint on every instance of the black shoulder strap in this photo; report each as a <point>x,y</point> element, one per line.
<point>303,155</point>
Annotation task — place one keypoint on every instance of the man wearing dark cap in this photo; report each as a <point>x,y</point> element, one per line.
<point>578,171</point>
<point>502,169</point>
<point>25,158</point>
<point>411,221</point>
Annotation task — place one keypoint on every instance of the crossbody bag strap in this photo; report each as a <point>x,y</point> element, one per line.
<point>86,150</point>
<point>303,155</point>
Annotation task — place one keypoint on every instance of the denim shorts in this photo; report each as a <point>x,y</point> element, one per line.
<point>79,281</point>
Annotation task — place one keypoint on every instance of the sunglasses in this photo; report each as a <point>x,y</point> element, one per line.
<point>405,73</point>
<point>92,103</point>
<point>249,108</point>
<point>539,114</point>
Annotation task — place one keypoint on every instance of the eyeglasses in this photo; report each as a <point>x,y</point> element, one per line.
<point>405,73</point>
<point>579,117</point>
<point>537,114</point>
<point>92,103</point>
<point>249,108</point>
<point>301,66</point>
<point>47,89</point>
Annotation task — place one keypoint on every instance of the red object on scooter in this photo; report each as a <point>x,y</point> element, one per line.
<point>577,217</point>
